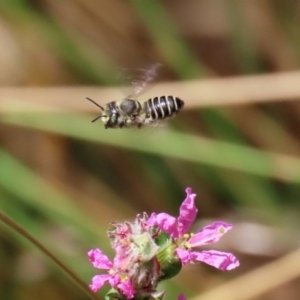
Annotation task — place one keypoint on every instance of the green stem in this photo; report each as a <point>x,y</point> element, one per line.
<point>19,229</point>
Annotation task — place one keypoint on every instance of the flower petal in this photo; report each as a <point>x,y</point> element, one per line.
<point>187,212</point>
<point>99,260</point>
<point>221,260</point>
<point>98,281</point>
<point>184,255</point>
<point>165,222</point>
<point>209,234</point>
<point>127,288</point>
<point>181,297</point>
<point>114,280</point>
<point>152,220</point>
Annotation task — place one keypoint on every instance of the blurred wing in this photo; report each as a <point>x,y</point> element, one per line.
<point>149,130</point>
<point>162,124</point>
<point>146,77</point>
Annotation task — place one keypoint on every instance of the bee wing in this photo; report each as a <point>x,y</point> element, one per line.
<point>147,131</point>
<point>158,124</point>
<point>147,76</point>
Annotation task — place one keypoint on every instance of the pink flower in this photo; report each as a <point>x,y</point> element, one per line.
<point>177,228</point>
<point>115,278</point>
<point>150,250</point>
<point>135,270</point>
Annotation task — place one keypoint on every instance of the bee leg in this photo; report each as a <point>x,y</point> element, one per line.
<point>140,125</point>
<point>125,123</point>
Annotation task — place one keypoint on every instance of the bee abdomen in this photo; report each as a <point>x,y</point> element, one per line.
<point>162,107</point>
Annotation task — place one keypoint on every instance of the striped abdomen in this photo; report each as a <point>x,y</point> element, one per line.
<point>162,107</point>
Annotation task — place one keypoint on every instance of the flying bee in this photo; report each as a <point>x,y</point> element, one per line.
<point>129,112</point>
<point>132,113</point>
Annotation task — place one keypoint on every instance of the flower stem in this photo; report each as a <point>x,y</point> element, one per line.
<point>20,230</point>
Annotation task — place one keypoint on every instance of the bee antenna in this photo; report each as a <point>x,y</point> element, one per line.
<point>95,103</point>
<point>98,118</point>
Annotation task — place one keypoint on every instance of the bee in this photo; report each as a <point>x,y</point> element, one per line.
<point>129,112</point>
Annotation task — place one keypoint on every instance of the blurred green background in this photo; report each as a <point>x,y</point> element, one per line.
<point>64,179</point>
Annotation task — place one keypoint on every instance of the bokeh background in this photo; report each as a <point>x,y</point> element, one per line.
<point>236,143</point>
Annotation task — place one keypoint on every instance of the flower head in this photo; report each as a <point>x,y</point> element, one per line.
<point>153,249</point>
<point>134,270</point>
